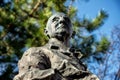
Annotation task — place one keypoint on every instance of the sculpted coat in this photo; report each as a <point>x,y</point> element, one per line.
<point>55,60</point>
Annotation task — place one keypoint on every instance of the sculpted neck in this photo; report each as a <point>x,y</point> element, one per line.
<point>58,42</point>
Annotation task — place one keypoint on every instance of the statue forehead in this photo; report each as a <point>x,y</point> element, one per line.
<point>58,15</point>
<point>53,16</point>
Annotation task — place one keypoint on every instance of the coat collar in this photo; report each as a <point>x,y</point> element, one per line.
<point>56,44</point>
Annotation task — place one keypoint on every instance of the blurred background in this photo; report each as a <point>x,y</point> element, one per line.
<point>95,22</point>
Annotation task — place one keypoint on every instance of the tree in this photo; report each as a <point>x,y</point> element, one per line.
<point>22,25</point>
<point>111,65</point>
<point>109,68</point>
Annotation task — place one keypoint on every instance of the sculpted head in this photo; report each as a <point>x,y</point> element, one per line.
<point>59,26</point>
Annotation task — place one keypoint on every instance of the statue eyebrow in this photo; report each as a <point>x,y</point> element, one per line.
<point>55,18</point>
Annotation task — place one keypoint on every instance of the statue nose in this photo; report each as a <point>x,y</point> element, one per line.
<point>61,20</point>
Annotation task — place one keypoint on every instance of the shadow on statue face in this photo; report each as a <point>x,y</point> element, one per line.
<point>59,25</point>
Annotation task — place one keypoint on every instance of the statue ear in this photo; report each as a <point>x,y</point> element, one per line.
<point>46,33</point>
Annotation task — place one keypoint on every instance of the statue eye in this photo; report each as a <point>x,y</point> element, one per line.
<point>55,19</point>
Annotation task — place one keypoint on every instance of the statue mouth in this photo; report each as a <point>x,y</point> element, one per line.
<point>61,35</point>
<point>62,32</point>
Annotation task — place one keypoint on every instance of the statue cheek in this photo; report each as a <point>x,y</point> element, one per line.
<point>52,27</point>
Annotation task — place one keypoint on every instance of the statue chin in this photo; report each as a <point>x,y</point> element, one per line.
<point>61,35</point>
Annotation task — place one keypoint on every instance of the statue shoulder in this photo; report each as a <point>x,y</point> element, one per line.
<point>31,57</point>
<point>31,53</point>
<point>40,51</point>
<point>33,50</point>
<point>36,53</point>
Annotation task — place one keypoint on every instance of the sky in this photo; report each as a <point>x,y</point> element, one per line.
<point>91,8</point>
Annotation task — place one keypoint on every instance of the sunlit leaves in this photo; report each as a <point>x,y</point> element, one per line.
<point>103,45</point>
<point>99,20</point>
<point>94,24</point>
<point>59,5</point>
<point>72,12</point>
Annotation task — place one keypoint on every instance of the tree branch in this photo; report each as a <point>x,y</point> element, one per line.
<point>35,7</point>
<point>69,7</point>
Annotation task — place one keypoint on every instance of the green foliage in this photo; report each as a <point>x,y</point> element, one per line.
<point>94,24</point>
<point>103,45</point>
<point>22,26</point>
<point>98,21</point>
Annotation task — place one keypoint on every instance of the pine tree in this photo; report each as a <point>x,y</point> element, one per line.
<point>22,25</point>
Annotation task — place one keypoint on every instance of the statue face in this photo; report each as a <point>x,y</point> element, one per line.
<point>59,25</point>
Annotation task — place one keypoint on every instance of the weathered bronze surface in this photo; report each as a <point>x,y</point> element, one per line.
<point>55,60</point>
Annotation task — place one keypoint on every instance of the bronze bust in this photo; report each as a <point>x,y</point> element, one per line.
<point>55,60</point>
